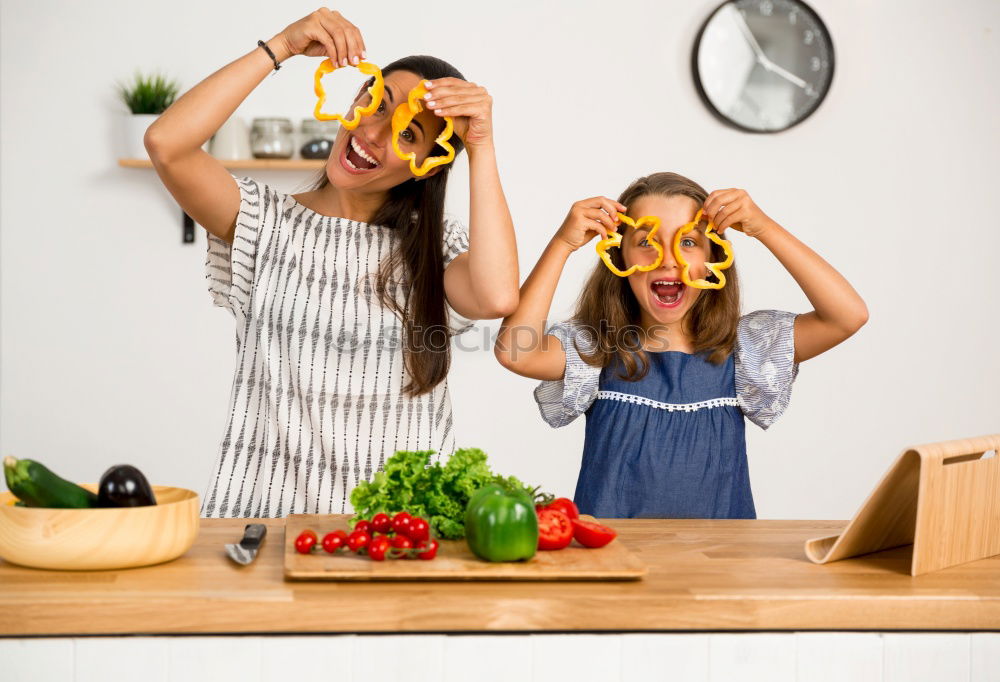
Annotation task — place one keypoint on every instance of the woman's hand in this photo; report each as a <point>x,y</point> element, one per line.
<point>324,32</point>
<point>734,208</point>
<point>589,218</point>
<point>469,104</point>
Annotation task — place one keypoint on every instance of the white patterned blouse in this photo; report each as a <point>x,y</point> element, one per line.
<point>317,403</point>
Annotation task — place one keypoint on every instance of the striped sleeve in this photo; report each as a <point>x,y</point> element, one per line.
<point>563,400</point>
<point>456,240</point>
<point>765,364</point>
<point>230,268</point>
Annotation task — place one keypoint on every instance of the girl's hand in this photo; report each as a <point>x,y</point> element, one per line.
<point>325,32</point>
<point>589,218</point>
<point>734,208</point>
<point>469,104</point>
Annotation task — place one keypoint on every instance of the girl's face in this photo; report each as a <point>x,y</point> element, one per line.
<point>363,158</point>
<point>663,297</point>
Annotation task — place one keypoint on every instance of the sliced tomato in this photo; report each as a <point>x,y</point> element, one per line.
<point>591,534</point>
<point>563,504</point>
<point>555,530</point>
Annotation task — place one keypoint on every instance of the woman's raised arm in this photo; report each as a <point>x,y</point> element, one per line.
<point>200,183</point>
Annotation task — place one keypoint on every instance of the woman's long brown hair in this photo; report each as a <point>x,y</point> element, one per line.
<point>415,211</point>
<point>610,313</point>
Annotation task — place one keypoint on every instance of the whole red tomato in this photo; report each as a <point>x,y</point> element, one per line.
<point>403,543</point>
<point>428,550</point>
<point>381,523</point>
<point>364,526</point>
<point>555,530</point>
<point>591,534</point>
<point>563,504</point>
<point>358,540</point>
<point>401,523</point>
<point>305,542</point>
<point>334,541</point>
<point>420,530</point>
<point>378,547</point>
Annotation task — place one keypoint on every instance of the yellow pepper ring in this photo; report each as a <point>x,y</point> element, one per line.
<point>401,118</point>
<point>715,268</point>
<point>376,90</point>
<point>616,240</point>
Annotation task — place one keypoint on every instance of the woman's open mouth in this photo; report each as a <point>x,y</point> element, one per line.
<point>667,293</point>
<point>357,158</point>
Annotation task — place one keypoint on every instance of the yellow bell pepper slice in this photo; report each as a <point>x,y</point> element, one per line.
<point>376,90</point>
<point>615,239</point>
<point>715,268</point>
<point>401,118</point>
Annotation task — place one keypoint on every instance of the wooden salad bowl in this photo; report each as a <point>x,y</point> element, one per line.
<point>99,539</point>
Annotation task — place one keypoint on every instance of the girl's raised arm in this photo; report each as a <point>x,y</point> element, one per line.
<point>522,345</point>
<point>838,309</point>
<point>201,184</point>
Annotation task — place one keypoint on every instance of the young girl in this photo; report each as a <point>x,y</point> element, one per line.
<point>666,372</point>
<point>344,296</point>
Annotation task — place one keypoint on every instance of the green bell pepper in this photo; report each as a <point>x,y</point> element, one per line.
<point>501,524</point>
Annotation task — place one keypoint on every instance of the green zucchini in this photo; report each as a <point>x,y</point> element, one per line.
<point>35,485</point>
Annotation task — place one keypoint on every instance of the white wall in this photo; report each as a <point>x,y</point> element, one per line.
<point>112,352</point>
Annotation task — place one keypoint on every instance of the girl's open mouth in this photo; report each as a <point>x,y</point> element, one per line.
<point>357,158</point>
<point>667,293</point>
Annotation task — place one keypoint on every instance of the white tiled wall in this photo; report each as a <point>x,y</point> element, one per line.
<point>749,657</point>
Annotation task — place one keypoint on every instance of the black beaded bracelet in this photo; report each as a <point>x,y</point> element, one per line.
<point>261,43</point>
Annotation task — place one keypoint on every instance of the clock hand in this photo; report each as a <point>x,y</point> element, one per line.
<point>759,52</point>
<point>741,24</point>
<point>790,77</point>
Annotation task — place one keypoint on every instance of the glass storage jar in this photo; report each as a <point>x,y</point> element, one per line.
<point>317,138</point>
<point>271,138</point>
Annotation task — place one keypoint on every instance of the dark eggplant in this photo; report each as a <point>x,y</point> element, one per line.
<point>124,486</point>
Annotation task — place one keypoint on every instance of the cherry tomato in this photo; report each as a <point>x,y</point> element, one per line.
<point>401,523</point>
<point>364,526</point>
<point>305,542</point>
<point>428,549</point>
<point>591,534</point>
<point>404,543</point>
<point>555,530</point>
<point>420,530</point>
<point>563,504</point>
<point>334,541</point>
<point>378,547</point>
<point>381,523</point>
<point>358,540</point>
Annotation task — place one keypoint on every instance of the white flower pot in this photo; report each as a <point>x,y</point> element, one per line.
<point>135,129</point>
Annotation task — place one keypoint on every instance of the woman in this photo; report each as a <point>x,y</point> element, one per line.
<point>344,296</point>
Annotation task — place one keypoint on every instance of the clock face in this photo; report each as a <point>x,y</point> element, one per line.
<point>763,65</point>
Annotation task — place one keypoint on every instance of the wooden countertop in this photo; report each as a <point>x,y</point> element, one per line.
<point>704,575</point>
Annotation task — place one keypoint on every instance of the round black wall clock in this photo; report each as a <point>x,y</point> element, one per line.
<point>763,65</point>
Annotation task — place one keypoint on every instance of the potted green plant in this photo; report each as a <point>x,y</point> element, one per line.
<point>146,98</point>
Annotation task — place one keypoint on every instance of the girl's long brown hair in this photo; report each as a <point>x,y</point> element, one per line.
<point>610,313</point>
<point>414,210</point>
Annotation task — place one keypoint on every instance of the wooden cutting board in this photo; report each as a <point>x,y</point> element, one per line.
<point>454,561</point>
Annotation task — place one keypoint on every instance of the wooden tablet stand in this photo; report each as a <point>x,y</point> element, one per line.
<point>944,498</point>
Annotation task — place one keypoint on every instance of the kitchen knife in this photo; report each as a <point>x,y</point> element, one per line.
<point>246,551</point>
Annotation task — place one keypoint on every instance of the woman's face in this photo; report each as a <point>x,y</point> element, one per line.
<point>664,298</point>
<point>363,158</point>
